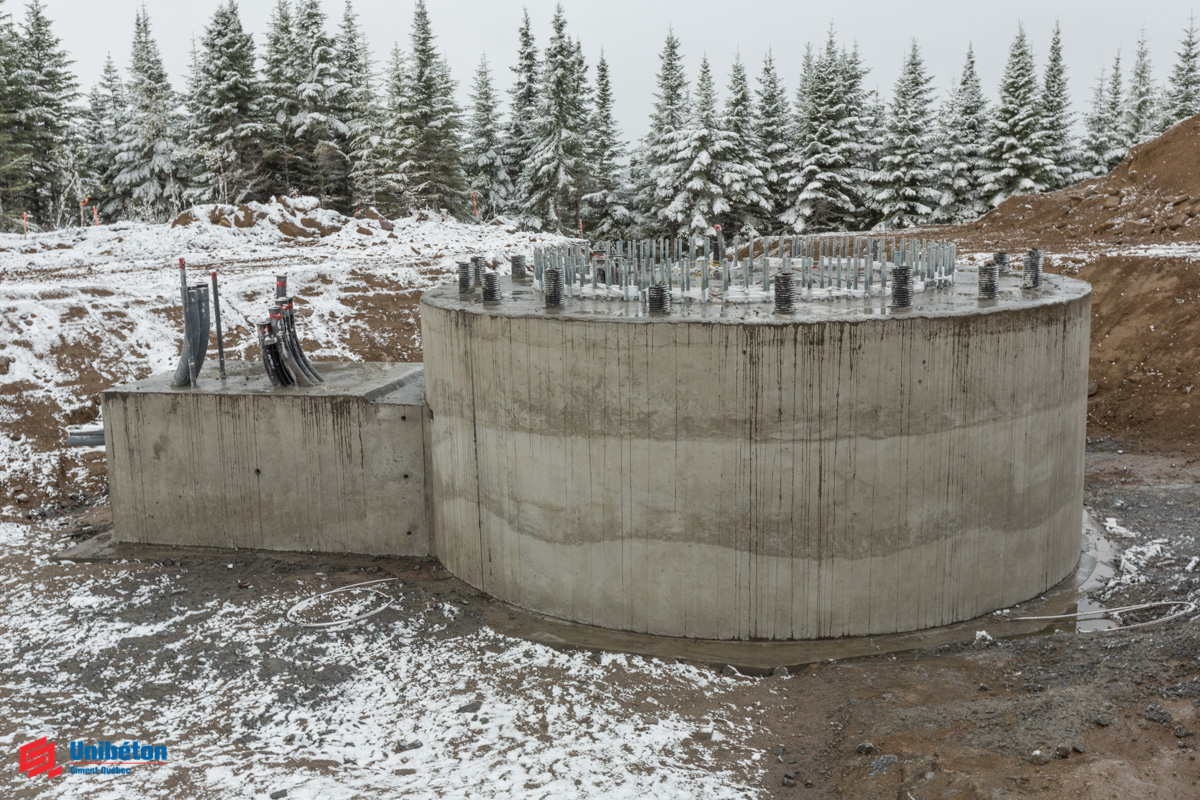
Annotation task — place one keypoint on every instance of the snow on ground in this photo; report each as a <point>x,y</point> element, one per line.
<point>249,704</point>
<point>84,309</point>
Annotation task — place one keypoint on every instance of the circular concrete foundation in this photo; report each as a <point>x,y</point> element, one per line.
<point>725,472</point>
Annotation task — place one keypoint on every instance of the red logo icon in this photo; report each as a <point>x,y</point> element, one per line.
<point>38,757</point>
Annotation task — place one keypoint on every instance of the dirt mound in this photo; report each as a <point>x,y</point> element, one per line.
<point>293,217</point>
<point>1153,196</point>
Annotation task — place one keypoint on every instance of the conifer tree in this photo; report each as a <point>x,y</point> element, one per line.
<point>322,167</point>
<point>1118,143</point>
<point>396,137</point>
<point>44,88</point>
<point>905,193</point>
<point>518,138</point>
<point>1142,119</point>
<point>606,211</point>
<point>822,174</point>
<point>960,153</point>
<point>433,173</point>
<point>1057,119</point>
<point>703,161</point>
<point>744,176</point>
<point>1016,160</point>
<point>486,172</point>
<point>660,178</point>
<point>281,80</point>
<point>148,152</point>
<point>553,179</point>
<point>1098,133</point>
<point>1183,93</point>
<point>863,143</point>
<point>775,133</point>
<point>106,113</point>
<point>353,101</point>
<point>14,155</point>
<point>227,122</point>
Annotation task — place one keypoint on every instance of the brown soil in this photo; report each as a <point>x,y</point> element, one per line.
<point>1145,354</point>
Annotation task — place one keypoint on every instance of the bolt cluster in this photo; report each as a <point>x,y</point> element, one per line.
<point>785,293</point>
<point>464,277</point>
<point>658,298</point>
<point>491,286</point>
<point>1032,272</point>
<point>989,278</point>
<point>553,287</point>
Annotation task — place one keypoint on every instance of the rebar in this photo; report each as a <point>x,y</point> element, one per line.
<point>1001,260</point>
<point>518,268</point>
<point>479,264</point>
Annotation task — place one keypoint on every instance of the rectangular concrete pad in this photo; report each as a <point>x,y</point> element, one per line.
<point>338,467</point>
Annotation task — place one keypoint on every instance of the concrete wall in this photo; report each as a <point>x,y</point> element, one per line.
<point>337,468</point>
<point>757,477</point>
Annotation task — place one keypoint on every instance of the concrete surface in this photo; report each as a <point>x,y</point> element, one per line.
<point>728,473</point>
<point>236,463</point>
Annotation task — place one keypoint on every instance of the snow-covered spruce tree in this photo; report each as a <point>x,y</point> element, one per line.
<point>281,80</point>
<point>523,102</point>
<point>822,174</point>
<point>865,140</point>
<point>434,162</point>
<point>1183,88</point>
<point>552,181</point>
<point>227,124</point>
<point>487,174</point>
<point>744,180</point>
<point>959,157</point>
<point>1114,107</point>
<point>659,178</point>
<point>703,159</point>
<point>353,101</point>
<point>396,138</point>
<point>149,154</point>
<point>905,194</point>
<point>322,166</point>
<point>1098,133</point>
<point>775,132</point>
<point>1142,117</point>
<point>1015,155</point>
<point>14,157</point>
<point>44,116</point>
<point>106,112</point>
<point>606,212</point>
<point>874,116</point>
<point>1057,119</point>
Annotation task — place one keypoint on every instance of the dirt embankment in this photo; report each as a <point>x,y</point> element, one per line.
<point>1134,235</point>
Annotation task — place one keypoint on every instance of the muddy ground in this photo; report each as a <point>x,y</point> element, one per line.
<point>1061,714</point>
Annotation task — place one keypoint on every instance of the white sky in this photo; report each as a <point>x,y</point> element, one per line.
<point>631,33</point>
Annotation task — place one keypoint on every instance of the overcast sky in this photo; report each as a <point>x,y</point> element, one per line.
<point>631,33</point>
